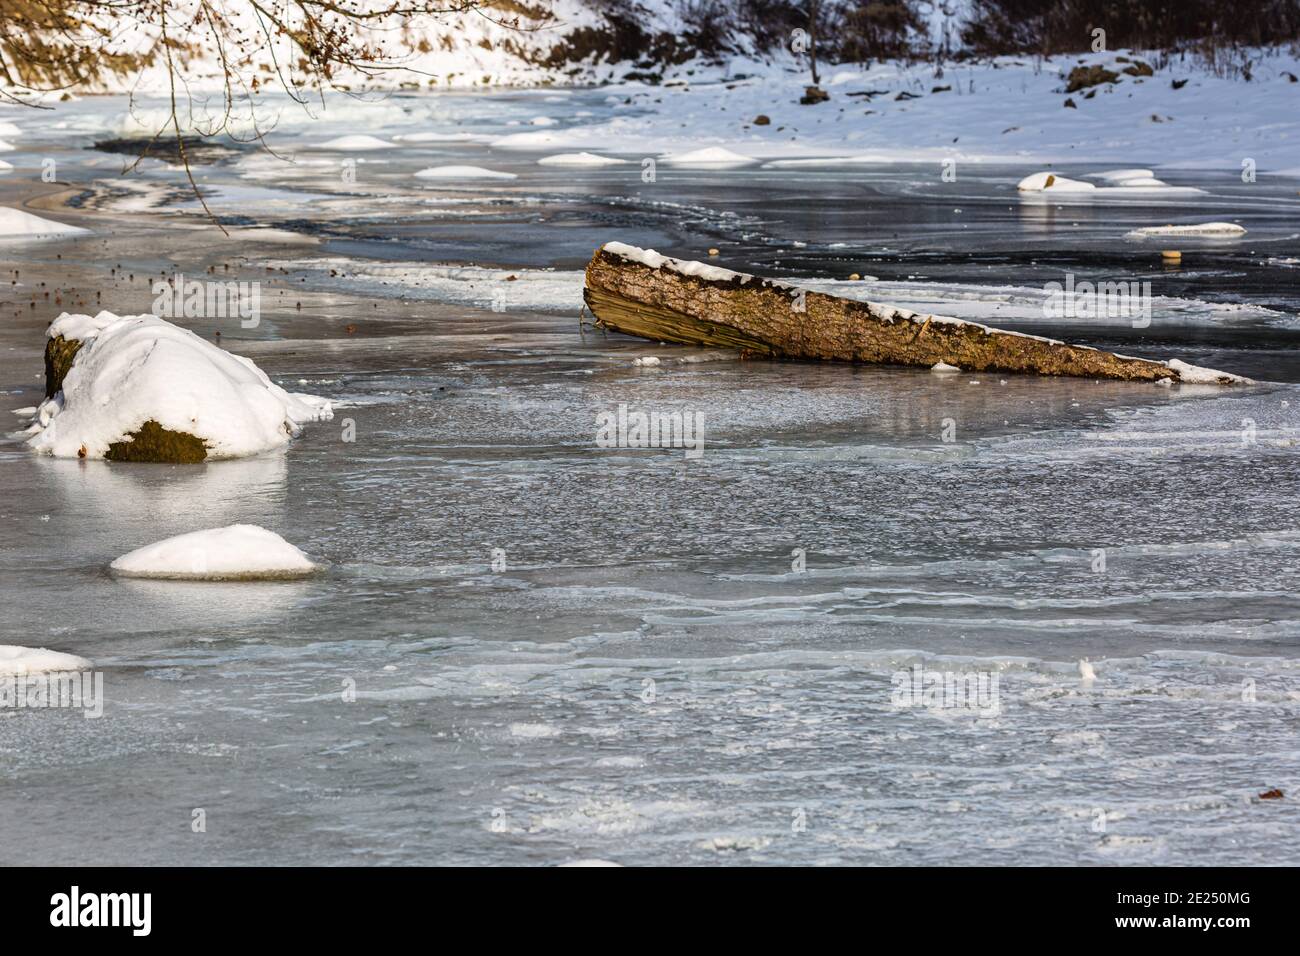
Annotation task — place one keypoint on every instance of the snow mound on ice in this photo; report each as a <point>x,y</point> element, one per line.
<point>591,862</point>
<point>355,143</point>
<point>14,223</point>
<point>1195,375</point>
<point>1042,182</point>
<point>709,156</point>
<point>579,159</point>
<point>16,661</point>
<point>462,172</point>
<point>5,167</point>
<point>131,369</point>
<point>944,368</point>
<point>1198,229</point>
<point>432,137</point>
<point>239,552</point>
<point>1121,176</point>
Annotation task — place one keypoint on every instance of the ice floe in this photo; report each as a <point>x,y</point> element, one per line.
<point>238,552</point>
<point>1218,229</point>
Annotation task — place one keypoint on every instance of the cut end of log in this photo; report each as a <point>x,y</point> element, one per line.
<point>642,293</point>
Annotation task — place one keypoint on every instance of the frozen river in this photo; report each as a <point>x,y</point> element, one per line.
<point>530,649</point>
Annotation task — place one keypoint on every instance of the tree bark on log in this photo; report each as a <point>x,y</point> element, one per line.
<point>641,293</point>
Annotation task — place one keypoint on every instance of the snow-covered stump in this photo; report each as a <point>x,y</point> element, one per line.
<point>642,293</point>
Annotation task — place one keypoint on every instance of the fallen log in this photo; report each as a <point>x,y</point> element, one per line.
<point>641,293</point>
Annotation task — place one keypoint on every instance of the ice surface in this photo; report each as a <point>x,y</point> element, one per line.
<point>1224,229</point>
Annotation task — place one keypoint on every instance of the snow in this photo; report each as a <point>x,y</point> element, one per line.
<point>1199,229</point>
<point>355,143</point>
<point>17,661</point>
<point>648,257</point>
<point>944,368</point>
<point>590,862</point>
<point>131,369</point>
<point>579,159</point>
<point>462,172</point>
<point>1195,375</point>
<point>237,552</point>
<point>1041,182</point>
<point>827,161</point>
<point>1122,175</point>
<point>711,156</point>
<point>14,223</point>
<point>6,147</point>
<point>432,137</point>
<point>648,361</point>
<point>5,167</point>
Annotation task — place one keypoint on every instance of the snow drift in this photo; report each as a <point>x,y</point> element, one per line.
<point>16,224</point>
<point>237,552</point>
<point>138,369</point>
<point>16,661</point>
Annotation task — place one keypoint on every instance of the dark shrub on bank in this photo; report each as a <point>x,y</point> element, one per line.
<point>1066,26</point>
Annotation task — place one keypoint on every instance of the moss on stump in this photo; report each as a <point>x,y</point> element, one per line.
<point>59,353</point>
<point>152,442</point>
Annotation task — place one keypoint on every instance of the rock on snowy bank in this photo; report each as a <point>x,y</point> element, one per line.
<point>241,552</point>
<point>137,388</point>
<point>16,661</point>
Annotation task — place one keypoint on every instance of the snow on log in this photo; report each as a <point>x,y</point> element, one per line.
<point>641,293</point>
